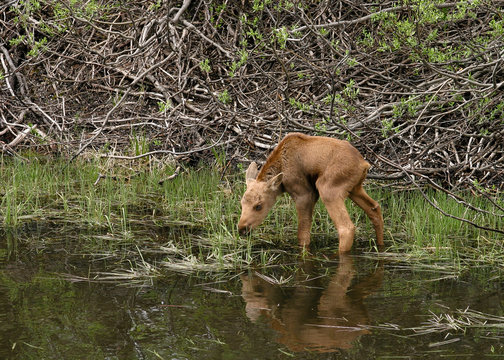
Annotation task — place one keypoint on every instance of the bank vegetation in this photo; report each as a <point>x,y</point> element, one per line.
<point>416,85</point>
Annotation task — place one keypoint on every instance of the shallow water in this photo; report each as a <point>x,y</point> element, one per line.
<point>323,307</point>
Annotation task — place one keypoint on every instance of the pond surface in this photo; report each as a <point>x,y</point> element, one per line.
<point>320,307</point>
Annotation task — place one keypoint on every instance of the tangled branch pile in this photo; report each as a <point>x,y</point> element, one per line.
<point>416,85</point>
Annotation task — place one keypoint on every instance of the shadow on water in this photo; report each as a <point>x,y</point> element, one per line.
<point>350,307</point>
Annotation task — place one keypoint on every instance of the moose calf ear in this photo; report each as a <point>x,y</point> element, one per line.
<point>275,182</point>
<point>251,173</point>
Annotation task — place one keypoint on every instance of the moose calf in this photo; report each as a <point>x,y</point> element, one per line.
<point>307,167</point>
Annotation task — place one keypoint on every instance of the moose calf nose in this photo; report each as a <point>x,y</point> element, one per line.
<point>243,230</point>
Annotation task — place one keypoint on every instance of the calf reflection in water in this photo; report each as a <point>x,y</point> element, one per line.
<point>313,316</point>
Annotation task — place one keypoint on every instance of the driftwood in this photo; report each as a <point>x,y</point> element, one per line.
<point>422,99</point>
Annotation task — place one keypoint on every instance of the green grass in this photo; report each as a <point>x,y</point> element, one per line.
<point>188,224</point>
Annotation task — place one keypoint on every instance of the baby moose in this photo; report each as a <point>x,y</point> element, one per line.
<point>307,167</point>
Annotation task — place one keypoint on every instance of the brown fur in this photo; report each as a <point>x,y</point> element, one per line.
<point>309,167</point>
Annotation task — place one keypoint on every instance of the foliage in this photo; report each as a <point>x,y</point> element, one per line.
<point>415,84</point>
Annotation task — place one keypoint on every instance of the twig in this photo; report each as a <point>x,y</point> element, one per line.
<point>172,176</point>
<point>179,13</point>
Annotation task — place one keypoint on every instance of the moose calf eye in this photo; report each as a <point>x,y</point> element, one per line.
<point>258,207</point>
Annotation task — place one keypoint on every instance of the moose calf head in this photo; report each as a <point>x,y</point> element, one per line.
<point>258,199</point>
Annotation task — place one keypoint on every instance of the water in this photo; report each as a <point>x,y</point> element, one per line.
<point>325,307</point>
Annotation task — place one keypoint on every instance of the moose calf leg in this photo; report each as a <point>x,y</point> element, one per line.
<point>372,210</point>
<point>339,215</point>
<point>304,208</point>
